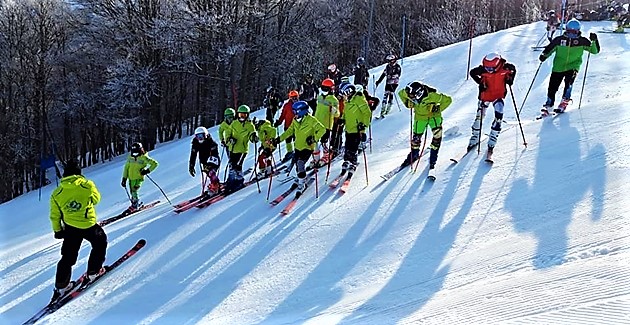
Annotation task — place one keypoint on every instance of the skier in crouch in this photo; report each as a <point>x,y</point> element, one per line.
<point>568,48</point>
<point>427,105</point>
<point>208,151</point>
<point>137,166</point>
<point>392,75</point>
<point>73,218</point>
<point>492,76</point>
<point>307,131</point>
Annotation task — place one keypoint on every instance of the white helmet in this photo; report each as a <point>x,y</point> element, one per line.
<point>201,133</point>
<point>359,88</point>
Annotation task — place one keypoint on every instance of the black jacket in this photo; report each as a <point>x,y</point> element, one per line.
<point>205,149</point>
<point>361,75</point>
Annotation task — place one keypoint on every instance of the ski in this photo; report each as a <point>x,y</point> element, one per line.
<point>335,182</point>
<point>346,184</point>
<point>189,201</point>
<point>393,172</point>
<point>289,207</point>
<point>82,285</point>
<point>127,212</point>
<point>462,156</point>
<point>282,196</point>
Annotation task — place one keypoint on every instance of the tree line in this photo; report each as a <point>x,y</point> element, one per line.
<point>86,78</point>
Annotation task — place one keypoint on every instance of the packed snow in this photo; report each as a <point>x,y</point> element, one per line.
<point>539,237</point>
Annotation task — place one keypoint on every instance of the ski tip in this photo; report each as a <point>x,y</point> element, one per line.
<point>454,161</point>
<point>141,242</point>
<point>431,178</point>
<point>489,161</point>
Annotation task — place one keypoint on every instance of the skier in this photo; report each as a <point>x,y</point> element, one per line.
<point>356,117</point>
<point>553,22</point>
<point>286,116</point>
<point>327,113</point>
<point>266,133</point>
<point>208,151</point>
<point>336,134</point>
<point>228,118</point>
<point>428,106</point>
<point>271,102</point>
<point>308,91</point>
<point>334,74</point>
<point>568,48</point>
<point>73,218</point>
<point>137,166</point>
<point>241,132</point>
<point>492,76</point>
<point>307,131</point>
<point>372,104</point>
<point>392,74</point>
<point>361,73</point>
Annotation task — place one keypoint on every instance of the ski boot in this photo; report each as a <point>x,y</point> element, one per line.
<point>91,277</point>
<point>300,184</point>
<point>562,106</point>
<point>489,154</point>
<point>60,292</point>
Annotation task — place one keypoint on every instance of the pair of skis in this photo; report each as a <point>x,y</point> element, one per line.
<point>82,284</point>
<point>128,212</point>
<point>289,207</point>
<point>346,182</point>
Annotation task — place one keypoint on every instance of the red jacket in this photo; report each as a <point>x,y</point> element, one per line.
<point>286,115</point>
<point>492,84</point>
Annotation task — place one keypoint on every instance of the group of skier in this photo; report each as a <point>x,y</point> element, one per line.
<point>337,103</point>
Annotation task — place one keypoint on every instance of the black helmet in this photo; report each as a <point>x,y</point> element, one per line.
<point>415,90</point>
<point>360,60</point>
<point>71,167</point>
<point>136,149</point>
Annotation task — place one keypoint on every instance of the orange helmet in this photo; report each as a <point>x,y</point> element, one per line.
<point>293,95</point>
<point>328,83</point>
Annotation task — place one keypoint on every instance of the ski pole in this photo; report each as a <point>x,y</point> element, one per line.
<point>128,195</point>
<point>370,132</point>
<point>424,143</point>
<point>203,178</point>
<point>584,80</point>
<point>279,147</point>
<point>530,88</point>
<point>255,171</point>
<point>158,186</point>
<point>222,155</point>
<point>518,116</point>
<point>411,138</point>
<point>482,115</point>
<point>367,180</point>
<point>273,171</point>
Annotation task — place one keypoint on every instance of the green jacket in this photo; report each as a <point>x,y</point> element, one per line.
<point>309,126</point>
<point>132,168</point>
<point>569,52</point>
<point>422,110</point>
<point>73,202</point>
<point>242,132</point>
<point>356,111</point>
<point>223,130</point>
<point>267,132</point>
<point>327,110</point>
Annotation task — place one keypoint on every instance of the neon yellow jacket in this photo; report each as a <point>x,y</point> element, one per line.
<point>302,130</point>
<point>243,133</point>
<point>223,131</point>
<point>132,168</point>
<point>356,111</point>
<point>267,132</point>
<point>327,110</point>
<point>422,110</point>
<point>73,202</point>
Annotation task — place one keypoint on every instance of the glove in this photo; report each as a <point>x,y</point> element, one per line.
<point>310,140</point>
<point>59,234</point>
<point>435,108</point>
<point>232,141</point>
<point>275,141</point>
<point>378,83</point>
<point>144,171</point>
<point>542,58</point>
<point>223,144</point>
<point>341,121</point>
<point>191,170</point>
<point>509,80</point>
<point>363,137</point>
<point>123,183</point>
<point>361,126</point>
<point>482,87</point>
<point>592,36</point>
<point>254,138</point>
<point>278,123</point>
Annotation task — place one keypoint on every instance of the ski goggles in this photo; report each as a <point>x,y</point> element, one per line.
<point>293,98</point>
<point>572,33</point>
<point>325,89</point>
<point>491,69</point>
<point>242,116</point>
<point>200,136</point>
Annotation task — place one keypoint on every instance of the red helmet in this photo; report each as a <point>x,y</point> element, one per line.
<point>294,95</point>
<point>491,61</point>
<point>328,83</point>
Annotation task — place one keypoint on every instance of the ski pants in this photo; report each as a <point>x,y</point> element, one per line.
<point>419,126</point>
<point>264,158</point>
<point>73,237</point>
<point>495,129</point>
<point>134,188</point>
<point>352,148</point>
<point>554,83</point>
<point>336,134</point>
<point>301,158</point>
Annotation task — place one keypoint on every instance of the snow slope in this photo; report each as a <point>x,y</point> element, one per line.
<point>540,237</point>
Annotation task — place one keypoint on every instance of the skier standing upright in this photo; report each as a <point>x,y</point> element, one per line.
<point>208,150</point>
<point>361,73</point>
<point>240,134</point>
<point>228,118</point>
<point>568,49</point>
<point>308,91</point>
<point>327,113</point>
<point>307,131</point>
<point>286,117</point>
<point>553,22</point>
<point>137,166</point>
<point>266,133</point>
<point>73,218</point>
<point>356,117</point>
<point>492,76</point>
<point>392,76</point>
<point>271,102</point>
<point>427,105</point>
<point>334,74</point>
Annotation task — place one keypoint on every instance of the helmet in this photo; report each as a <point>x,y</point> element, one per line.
<point>348,90</point>
<point>358,88</point>
<point>415,90</point>
<point>300,108</point>
<point>201,133</point>
<point>328,83</point>
<point>243,112</point>
<point>270,89</point>
<point>229,112</point>
<point>491,61</point>
<point>551,12</point>
<point>573,28</point>
<point>390,58</point>
<point>71,167</point>
<point>294,95</point>
<point>136,149</point>
<point>360,60</point>
<point>308,76</point>
<point>332,68</point>
<point>345,79</point>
